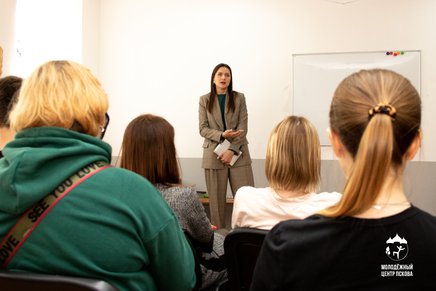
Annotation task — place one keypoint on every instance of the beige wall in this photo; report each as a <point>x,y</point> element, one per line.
<point>157,56</point>
<point>7,28</point>
<point>91,35</point>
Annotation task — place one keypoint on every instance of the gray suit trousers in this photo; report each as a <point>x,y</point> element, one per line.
<point>216,183</point>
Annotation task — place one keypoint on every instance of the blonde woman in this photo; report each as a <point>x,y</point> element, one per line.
<point>374,238</point>
<point>114,225</point>
<point>292,168</point>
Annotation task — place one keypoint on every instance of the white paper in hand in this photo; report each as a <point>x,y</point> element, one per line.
<point>222,147</point>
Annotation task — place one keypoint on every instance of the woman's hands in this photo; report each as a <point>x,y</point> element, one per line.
<point>226,157</point>
<point>231,133</point>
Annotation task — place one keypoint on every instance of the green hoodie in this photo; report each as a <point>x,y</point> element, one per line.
<point>114,226</point>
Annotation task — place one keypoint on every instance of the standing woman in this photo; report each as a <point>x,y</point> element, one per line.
<point>374,238</point>
<point>223,115</point>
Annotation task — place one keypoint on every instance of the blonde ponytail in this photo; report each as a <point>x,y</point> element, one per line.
<point>371,166</point>
<point>376,114</point>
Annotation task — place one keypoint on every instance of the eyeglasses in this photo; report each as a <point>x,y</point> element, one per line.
<point>106,123</point>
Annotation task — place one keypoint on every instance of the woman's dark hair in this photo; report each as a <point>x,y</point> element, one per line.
<point>9,90</point>
<point>213,94</point>
<point>148,149</point>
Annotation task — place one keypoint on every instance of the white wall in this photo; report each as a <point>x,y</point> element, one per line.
<point>91,35</point>
<point>7,30</point>
<point>34,32</point>
<point>157,56</point>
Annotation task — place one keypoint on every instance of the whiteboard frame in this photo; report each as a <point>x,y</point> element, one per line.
<point>349,68</point>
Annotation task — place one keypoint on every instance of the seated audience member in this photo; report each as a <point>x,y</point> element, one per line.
<point>113,224</point>
<point>292,168</point>
<point>9,89</point>
<point>374,238</point>
<point>148,149</point>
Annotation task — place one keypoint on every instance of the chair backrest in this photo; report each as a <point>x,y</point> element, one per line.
<point>241,248</point>
<point>198,272</point>
<point>12,281</point>
<point>219,285</point>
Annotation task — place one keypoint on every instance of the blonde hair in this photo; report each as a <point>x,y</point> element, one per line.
<point>63,94</point>
<point>293,156</point>
<point>377,142</point>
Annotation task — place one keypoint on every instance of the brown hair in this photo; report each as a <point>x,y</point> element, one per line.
<point>9,90</point>
<point>213,94</point>
<point>378,142</point>
<point>293,156</point>
<point>148,149</point>
<point>1,61</point>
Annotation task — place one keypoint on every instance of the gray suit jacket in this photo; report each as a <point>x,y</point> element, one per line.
<point>211,128</point>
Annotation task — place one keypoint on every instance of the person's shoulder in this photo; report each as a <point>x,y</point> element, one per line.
<point>177,190</point>
<point>120,173</point>
<point>238,94</point>
<point>245,191</point>
<point>419,211</point>
<point>423,214</point>
<point>314,221</point>
<point>328,196</point>
<point>181,193</point>
<point>258,200</point>
<point>313,229</point>
<point>205,96</point>
<point>125,182</point>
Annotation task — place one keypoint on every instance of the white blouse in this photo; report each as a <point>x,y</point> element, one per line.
<point>263,207</point>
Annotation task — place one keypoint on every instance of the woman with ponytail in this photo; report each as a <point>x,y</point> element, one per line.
<point>373,238</point>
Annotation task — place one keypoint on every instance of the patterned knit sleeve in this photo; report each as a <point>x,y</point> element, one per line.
<point>197,223</point>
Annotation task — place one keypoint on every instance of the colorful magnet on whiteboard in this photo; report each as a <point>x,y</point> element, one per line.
<point>395,53</point>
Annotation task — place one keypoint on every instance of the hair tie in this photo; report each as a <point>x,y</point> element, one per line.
<point>383,109</point>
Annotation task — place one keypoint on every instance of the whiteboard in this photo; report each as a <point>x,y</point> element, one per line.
<point>316,76</point>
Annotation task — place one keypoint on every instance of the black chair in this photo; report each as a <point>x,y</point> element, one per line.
<point>241,248</point>
<point>17,281</point>
<point>196,260</point>
<point>197,254</point>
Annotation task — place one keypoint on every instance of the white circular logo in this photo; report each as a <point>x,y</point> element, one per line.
<point>397,248</point>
